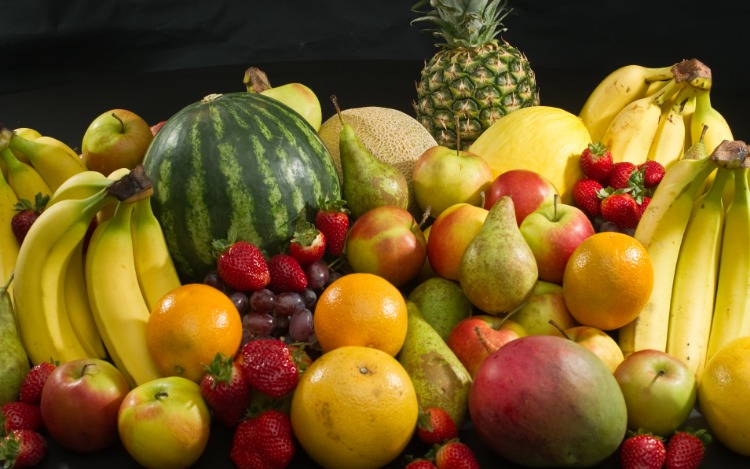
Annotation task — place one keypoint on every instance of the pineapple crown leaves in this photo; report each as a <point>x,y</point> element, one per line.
<point>40,201</point>
<point>464,23</point>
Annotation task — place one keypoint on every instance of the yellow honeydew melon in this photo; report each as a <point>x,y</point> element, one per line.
<point>390,135</point>
<point>544,139</point>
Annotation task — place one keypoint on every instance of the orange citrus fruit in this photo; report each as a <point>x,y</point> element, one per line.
<point>361,309</point>
<point>724,395</point>
<point>607,280</point>
<point>189,326</point>
<point>354,407</point>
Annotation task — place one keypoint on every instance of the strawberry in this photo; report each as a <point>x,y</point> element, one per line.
<point>420,463</point>
<point>226,390</point>
<point>27,214</point>
<point>619,177</point>
<point>596,162</point>
<point>332,219</point>
<point>241,265</point>
<point>270,366</point>
<point>586,196</point>
<point>653,173</point>
<point>264,441</point>
<point>644,203</point>
<point>22,448</point>
<point>642,451</point>
<point>287,274</point>
<point>621,209</point>
<point>455,455</point>
<point>308,243</point>
<point>20,416</point>
<point>435,425</point>
<point>33,382</point>
<point>686,449</point>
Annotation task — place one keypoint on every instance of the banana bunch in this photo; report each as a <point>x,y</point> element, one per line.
<point>698,244</point>
<point>642,113</point>
<point>79,297</point>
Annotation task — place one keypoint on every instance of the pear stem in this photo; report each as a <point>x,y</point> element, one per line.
<point>458,134</point>
<point>335,102</point>
<point>557,326</point>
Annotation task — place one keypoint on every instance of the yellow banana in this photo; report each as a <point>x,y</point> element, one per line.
<point>655,86</point>
<point>52,159</point>
<point>153,263</point>
<point>695,277</point>
<point>80,186</point>
<point>668,144</point>
<point>27,133</point>
<point>23,178</point>
<point>687,116</point>
<point>660,231</point>
<point>704,114</point>
<point>120,311</point>
<point>78,307</point>
<point>107,212</point>
<point>8,242</point>
<point>618,89</point>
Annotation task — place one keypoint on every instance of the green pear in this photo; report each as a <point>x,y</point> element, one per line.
<point>367,182</point>
<point>442,303</point>
<point>498,270</point>
<point>297,96</point>
<point>439,378</point>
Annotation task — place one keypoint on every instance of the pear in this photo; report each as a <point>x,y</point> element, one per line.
<point>439,378</point>
<point>498,271</point>
<point>442,303</point>
<point>367,182</point>
<point>297,96</point>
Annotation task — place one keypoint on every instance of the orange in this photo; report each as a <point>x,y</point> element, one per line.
<point>189,326</point>
<point>607,280</point>
<point>361,309</point>
<point>354,407</point>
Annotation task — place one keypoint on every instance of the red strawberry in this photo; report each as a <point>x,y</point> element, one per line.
<point>653,173</point>
<point>308,243</point>
<point>20,416</point>
<point>241,265</point>
<point>226,390</point>
<point>596,162</point>
<point>270,366</point>
<point>420,463</point>
<point>642,451</point>
<point>621,209</point>
<point>644,203</point>
<point>586,196</point>
<point>332,219</point>
<point>435,425</point>
<point>455,455</point>
<point>22,448</point>
<point>27,214</point>
<point>33,383</point>
<point>619,177</point>
<point>264,441</point>
<point>686,449</point>
<point>286,274</point>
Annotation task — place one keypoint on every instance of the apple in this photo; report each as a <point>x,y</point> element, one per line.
<point>115,139</point>
<point>474,338</point>
<point>545,401</point>
<point>164,423</point>
<point>443,177</point>
<point>602,344</point>
<point>387,241</point>
<point>80,402</point>
<point>157,127</point>
<point>553,232</point>
<point>450,233</point>
<point>546,304</point>
<point>529,189</point>
<point>660,391</point>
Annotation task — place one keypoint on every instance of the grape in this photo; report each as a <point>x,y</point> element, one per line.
<point>309,297</point>
<point>240,300</point>
<point>281,322</point>
<point>212,279</point>
<point>258,324</point>
<point>317,274</point>
<point>287,303</point>
<point>301,325</point>
<point>262,301</point>
<point>332,277</point>
<point>608,226</point>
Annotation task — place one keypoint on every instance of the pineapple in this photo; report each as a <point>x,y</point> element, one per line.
<point>475,78</point>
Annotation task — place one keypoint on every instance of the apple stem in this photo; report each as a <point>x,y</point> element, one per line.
<point>554,205</point>
<point>161,395</point>
<point>425,216</point>
<point>482,196</point>
<point>557,326</point>
<point>122,124</point>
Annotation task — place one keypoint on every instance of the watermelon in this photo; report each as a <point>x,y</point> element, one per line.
<point>237,165</point>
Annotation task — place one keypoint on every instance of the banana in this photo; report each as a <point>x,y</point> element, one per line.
<point>52,159</point>
<point>153,263</point>
<point>108,211</point>
<point>23,178</point>
<point>614,92</point>
<point>731,318</point>
<point>705,115</point>
<point>119,308</point>
<point>8,241</point>
<point>696,274</point>
<point>668,144</point>
<point>80,186</point>
<point>660,231</point>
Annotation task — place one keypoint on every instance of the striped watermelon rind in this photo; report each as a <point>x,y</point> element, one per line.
<point>239,162</point>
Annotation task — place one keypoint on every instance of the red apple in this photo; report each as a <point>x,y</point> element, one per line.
<point>474,338</point>
<point>599,342</point>
<point>80,402</point>
<point>443,177</point>
<point>387,241</point>
<point>115,139</point>
<point>529,189</point>
<point>450,233</point>
<point>553,232</point>
<point>157,127</point>
<point>546,304</point>
<point>660,391</point>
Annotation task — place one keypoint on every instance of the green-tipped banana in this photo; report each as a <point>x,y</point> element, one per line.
<point>52,159</point>
<point>23,178</point>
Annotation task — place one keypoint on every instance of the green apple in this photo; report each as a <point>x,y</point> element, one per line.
<point>165,423</point>
<point>115,139</point>
<point>443,177</point>
<point>602,344</point>
<point>450,233</point>
<point>442,303</point>
<point>545,304</point>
